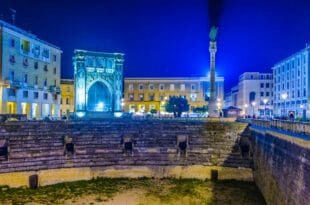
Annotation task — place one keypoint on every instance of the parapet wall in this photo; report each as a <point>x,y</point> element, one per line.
<point>281,166</point>
<point>36,147</point>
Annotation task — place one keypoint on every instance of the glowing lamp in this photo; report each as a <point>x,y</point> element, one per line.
<point>118,114</point>
<point>80,114</point>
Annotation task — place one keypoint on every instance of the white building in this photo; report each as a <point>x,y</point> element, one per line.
<point>291,85</point>
<point>253,94</point>
<point>29,74</point>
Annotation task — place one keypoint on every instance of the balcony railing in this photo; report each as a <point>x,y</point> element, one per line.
<point>55,89</point>
<point>14,83</point>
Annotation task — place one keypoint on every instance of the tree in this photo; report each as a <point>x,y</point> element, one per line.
<point>177,105</point>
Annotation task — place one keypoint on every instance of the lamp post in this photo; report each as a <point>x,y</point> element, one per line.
<point>253,105</point>
<point>245,109</point>
<point>284,97</point>
<point>302,110</point>
<point>265,101</point>
<point>219,104</point>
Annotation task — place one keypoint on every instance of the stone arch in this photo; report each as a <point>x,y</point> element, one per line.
<point>99,96</point>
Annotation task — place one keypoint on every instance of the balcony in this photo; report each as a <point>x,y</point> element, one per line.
<point>13,83</point>
<point>55,89</point>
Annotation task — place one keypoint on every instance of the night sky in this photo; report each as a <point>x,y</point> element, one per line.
<point>170,37</point>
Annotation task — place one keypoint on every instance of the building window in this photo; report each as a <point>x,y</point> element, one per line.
<point>60,102</point>
<point>54,58</point>
<point>12,43</point>
<point>36,65</point>
<point>11,92</point>
<point>267,94</point>
<point>151,97</point>
<point>140,87</point>
<point>67,101</point>
<point>267,85</point>
<point>45,68</point>
<point>55,96</point>
<point>262,85</point>
<point>25,62</point>
<point>151,87</point>
<point>172,87</point>
<point>55,70</point>
<point>130,87</point>
<point>182,87</point>
<point>45,82</point>
<point>161,87</point>
<point>305,93</point>
<point>45,96</point>
<point>36,80</point>
<point>25,46</point>
<point>298,93</point>
<point>161,98</point>
<point>25,94</point>
<point>55,82</point>
<point>131,97</point>
<point>11,77</point>
<point>25,78</point>
<point>12,59</point>
<point>35,95</point>
<point>193,87</point>
<point>262,94</point>
<point>141,96</point>
<point>252,97</point>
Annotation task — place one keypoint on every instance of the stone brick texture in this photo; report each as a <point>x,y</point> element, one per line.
<point>281,169</point>
<point>34,146</point>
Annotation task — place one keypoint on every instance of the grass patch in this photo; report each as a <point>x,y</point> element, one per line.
<point>164,191</point>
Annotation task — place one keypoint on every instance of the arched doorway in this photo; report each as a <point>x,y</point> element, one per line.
<point>99,98</point>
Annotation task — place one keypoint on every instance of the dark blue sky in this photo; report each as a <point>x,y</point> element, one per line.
<point>170,37</point>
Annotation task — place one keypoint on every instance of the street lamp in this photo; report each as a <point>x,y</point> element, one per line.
<point>265,101</point>
<point>302,110</point>
<point>245,109</point>
<point>284,97</point>
<point>253,105</point>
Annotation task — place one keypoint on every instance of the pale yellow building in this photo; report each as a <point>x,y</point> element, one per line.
<point>29,74</point>
<point>145,94</point>
<point>67,96</point>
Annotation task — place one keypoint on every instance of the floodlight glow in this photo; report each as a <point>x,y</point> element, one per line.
<point>118,114</point>
<point>100,106</point>
<point>80,114</point>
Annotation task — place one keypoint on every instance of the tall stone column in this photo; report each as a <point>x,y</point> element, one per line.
<point>118,86</point>
<point>212,108</point>
<point>80,84</point>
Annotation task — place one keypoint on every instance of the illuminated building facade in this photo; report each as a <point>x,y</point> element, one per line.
<point>67,96</point>
<point>145,94</point>
<point>253,94</point>
<point>98,79</point>
<point>29,74</point>
<point>292,85</point>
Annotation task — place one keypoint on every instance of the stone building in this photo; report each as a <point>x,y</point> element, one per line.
<point>67,96</point>
<point>253,94</point>
<point>291,85</point>
<point>29,74</point>
<point>98,79</point>
<point>145,94</point>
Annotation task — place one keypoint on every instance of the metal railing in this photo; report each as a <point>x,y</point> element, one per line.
<point>285,125</point>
